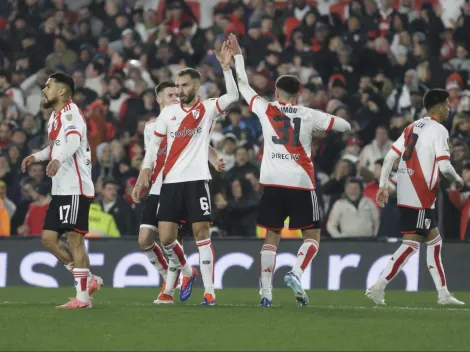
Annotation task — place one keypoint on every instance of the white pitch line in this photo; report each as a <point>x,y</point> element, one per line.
<point>381,308</point>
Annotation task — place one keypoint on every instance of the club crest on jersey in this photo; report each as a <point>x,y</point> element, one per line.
<point>196,113</point>
<point>69,117</point>
<point>427,223</point>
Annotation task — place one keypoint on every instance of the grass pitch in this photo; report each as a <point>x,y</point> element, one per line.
<point>125,319</point>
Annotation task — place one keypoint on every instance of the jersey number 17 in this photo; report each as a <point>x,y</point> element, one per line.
<point>284,131</point>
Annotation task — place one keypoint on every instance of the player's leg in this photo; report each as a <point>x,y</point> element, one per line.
<point>271,215</point>
<point>434,262</point>
<point>198,205</point>
<point>169,214</point>
<point>148,233</point>
<point>74,222</point>
<point>412,227</point>
<point>50,240</point>
<point>304,215</point>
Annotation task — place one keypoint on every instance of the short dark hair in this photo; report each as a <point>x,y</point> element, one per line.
<point>162,86</point>
<point>64,79</point>
<point>98,67</point>
<point>356,180</point>
<point>110,181</point>
<point>379,162</point>
<point>434,97</point>
<point>289,84</point>
<point>466,166</point>
<point>194,74</point>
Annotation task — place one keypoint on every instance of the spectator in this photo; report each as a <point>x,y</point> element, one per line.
<point>334,187</point>
<point>94,77</point>
<point>228,150</point>
<point>237,126</point>
<point>353,215</point>
<point>61,55</point>
<point>34,220</point>
<point>241,209</point>
<point>79,80</point>
<point>115,205</point>
<point>254,180</point>
<point>376,150</point>
<point>116,95</point>
<point>242,165</point>
<point>36,172</point>
<point>101,224</point>
<point>8,203</point>
<point>27,187</point>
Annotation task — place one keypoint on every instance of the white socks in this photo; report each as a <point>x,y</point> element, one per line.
<point>70,266</point>
<point>206,264</point>
<point>396,262</point>
<point>155,256</point>
<point>175,254</point>
<point>306,253</point>
<point>81,284</point>
<point>434,262</point>
<point>268,263</point>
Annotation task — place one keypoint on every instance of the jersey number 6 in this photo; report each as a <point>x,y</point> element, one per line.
<point>410,146</point>
<point>284,130</point>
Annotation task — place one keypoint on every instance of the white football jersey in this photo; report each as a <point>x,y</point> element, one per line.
<point>74,175</point>
<point>187,132</point>
<point>157,175</point>
<point>287,132</point>
<point>421,146</point>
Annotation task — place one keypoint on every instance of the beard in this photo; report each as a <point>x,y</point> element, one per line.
<point>188,98</point>
<point>48,103</point>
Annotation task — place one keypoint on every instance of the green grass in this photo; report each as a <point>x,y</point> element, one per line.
<point>126,319</point>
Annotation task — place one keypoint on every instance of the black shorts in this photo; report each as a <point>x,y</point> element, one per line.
<point>68,213</point>
<point>185,200</point>
<point>149,213</point>
<point>419,221</point>
<point>277,203</point>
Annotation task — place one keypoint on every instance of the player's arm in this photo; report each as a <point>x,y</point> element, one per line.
<point>328,122</point>
<point>36,157</point>
<point>225,58</point>
<point>152,148</point>
<point>393,154</point>
<point>217,162</point>
<point>442,151</point>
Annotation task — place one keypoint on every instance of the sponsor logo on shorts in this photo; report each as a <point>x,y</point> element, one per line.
<point>406,171</point>
<point>172,268</point>
<point>283,156</point>
<point>186,132</point>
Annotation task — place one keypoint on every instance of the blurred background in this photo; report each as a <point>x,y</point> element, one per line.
<point>368,61</point>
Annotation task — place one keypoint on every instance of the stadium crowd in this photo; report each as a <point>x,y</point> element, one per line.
<point>367,61</point>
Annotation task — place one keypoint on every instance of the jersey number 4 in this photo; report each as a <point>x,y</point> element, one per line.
<point>283,130</point>
<point>410,144</point>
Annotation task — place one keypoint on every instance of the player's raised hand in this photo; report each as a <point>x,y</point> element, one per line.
<point>224,56</point>
<point>459,184</point>
<point>234,45</point>
<point>382,197</point>
<point>27,161</point>
<point>53,167</point>
<point>220,165</point>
